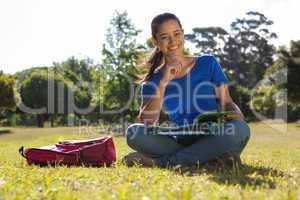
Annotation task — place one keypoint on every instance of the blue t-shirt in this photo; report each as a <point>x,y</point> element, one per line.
<point>191,95</point>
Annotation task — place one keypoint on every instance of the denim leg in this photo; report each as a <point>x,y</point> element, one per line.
<point>233,138</point>
<point>153,145</point>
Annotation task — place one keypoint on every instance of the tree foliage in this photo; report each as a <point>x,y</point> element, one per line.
<point>44,95</point>
<point>288,61</point>
<point>7,100</point>
<point>120,56</point>
<point>6,91</point>
<point>282,83</point>
<point>245,51</point>
<point>208,40</point>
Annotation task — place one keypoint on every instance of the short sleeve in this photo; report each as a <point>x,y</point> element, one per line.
<point>218,76</point>
<point>148,89</point>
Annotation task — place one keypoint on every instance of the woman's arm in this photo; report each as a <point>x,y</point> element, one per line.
<point>150,110</point>
<point>227,103</point>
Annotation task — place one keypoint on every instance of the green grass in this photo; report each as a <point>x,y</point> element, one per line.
<point>4,130</point>
<point>271,171</point>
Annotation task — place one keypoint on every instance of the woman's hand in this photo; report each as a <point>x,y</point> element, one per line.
<point>237,115</point>
<point>170,72</point>
<point>171,69</point>
<point>227,104</point>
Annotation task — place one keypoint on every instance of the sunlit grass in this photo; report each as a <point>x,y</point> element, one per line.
<point>271,171</point>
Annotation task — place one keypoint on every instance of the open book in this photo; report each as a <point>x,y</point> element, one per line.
<point>213,116</point>
<point>203,125</point>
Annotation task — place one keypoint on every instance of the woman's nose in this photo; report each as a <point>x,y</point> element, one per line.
<point>172,41</point>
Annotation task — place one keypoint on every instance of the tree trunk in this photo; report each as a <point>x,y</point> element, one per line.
<point>123,122</point>
<point>40,121</point>
<point>52,120</point>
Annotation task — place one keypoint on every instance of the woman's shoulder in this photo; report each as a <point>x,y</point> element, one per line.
<point>206,58</point>
<point>155,78</point>
<point>207,61</point>
<point>203,59</point>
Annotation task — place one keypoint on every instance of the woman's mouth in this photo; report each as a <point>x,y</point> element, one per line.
<point>173,48</point>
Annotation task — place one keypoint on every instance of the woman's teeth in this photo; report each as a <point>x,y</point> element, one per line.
<point>173,48</point>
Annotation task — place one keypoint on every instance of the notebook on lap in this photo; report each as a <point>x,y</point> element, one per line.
<point>204,125</point>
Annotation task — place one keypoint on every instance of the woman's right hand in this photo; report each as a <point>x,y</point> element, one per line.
<point>170,70</point>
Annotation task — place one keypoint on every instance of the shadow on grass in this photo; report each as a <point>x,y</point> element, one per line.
<point>247,175</point>
<point>4,131</point>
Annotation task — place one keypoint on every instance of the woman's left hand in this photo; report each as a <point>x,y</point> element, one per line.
<point>234,116</point>
<point>227,104</point>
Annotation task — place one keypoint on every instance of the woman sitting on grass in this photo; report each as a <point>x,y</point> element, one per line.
<point>187,87</point>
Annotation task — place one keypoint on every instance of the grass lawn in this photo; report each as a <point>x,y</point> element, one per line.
<point>271,171</point>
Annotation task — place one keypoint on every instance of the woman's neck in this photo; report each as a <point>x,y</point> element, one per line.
<point>175,58</point>
<point>185,63</point>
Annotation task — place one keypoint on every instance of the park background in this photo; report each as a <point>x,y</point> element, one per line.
<point>68,71</point>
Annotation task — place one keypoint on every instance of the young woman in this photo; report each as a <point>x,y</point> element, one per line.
<point>186,87</point>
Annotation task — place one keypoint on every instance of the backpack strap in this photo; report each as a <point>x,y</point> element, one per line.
<point>21,151</point>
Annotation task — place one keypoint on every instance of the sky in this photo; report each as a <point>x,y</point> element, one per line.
<point>39,32</point>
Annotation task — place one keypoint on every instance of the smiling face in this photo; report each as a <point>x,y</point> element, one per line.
<point>170,38</point>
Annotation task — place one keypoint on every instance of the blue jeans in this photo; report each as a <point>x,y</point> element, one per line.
<point>169,152</point>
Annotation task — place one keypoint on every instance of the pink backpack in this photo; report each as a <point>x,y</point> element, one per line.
<point>95,152</point>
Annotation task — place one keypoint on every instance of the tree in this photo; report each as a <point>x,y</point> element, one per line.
<point>120,56</point>
<point>6,91</point>
<point>35,95</point>
<point>245,51</point>
<point>281,79</point>
<point>290,60</point>
<point>79,74</point>
<point>7,101</point>
<point>283,75</point>
<point>75,70</point>
<point>208,40</point>
<point>265,101</point>
<point>248,51</point>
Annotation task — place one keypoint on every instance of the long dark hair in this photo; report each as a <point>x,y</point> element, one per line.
<point>155,59</point>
